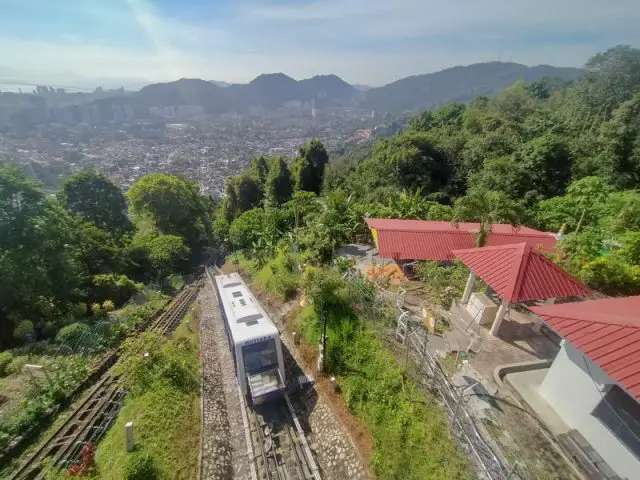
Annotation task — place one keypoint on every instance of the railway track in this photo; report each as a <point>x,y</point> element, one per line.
<point>280,451</point>
<point>91,419</point>
<point>277,448</point>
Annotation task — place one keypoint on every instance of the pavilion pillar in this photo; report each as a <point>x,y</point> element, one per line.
<point>469,287</point>
<point>538,321</point>
<point>499,317</point>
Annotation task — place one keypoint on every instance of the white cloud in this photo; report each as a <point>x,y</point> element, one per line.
<point>365,41</point>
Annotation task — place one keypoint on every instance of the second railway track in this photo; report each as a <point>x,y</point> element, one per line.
<point>88,422</point>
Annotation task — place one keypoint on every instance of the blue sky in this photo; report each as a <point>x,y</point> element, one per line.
<point>131,42</point>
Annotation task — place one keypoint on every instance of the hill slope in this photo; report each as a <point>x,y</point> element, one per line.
<point>457,84</point>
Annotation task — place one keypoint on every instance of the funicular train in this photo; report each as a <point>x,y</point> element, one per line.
<point>253,339</point>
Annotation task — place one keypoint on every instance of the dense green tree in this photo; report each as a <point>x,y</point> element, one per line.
<point>449,115</point>
<point>619,160</point>
<point>302,207</point>
<point>545,164</point>
<point>116,288</point>
<point>260,169</point>
<point>407,161</point>
<point>173,203</point>
<point>166,252</point>
<point>582,206</point>
<point>621,211</point>
<point>514,103</point>
<point>39,274</point>
<point>249,192</point>
<point>486,207</point>
<point>278,185</point>
<point>246,229</point>
<point>336,176</point>
<point>97,199</point>
<point>97,250</point>
<point>230,201</point>
<point>309,167</point>
<point>422,122</point>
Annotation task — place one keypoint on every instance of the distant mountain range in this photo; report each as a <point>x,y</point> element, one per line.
<point>411,94</point>
<point>457,84</point>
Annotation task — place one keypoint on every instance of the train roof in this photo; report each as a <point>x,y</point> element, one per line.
<point>246,318</point>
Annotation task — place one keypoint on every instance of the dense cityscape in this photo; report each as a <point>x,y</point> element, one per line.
<point>204,148</point>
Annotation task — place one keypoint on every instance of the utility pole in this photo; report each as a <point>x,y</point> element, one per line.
<point>323,319</point>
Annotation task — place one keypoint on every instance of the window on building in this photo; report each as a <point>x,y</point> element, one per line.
<point>620,413</point>
<point>237,294</point>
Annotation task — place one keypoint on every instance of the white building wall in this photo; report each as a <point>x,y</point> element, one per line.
<point>574,386</point>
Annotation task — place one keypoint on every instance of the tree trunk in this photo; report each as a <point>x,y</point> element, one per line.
<point>483,235</point>
<point>584,211</point>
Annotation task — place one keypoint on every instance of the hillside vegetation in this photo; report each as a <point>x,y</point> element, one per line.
<point>543,154</point>
<point>67,259</point>
<point>551,155</point>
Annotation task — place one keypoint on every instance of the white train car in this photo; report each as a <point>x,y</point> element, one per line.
<point>253,339</point>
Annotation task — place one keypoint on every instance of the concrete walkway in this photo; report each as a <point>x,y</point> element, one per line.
<point>526,385</point>
<point>219,450</point>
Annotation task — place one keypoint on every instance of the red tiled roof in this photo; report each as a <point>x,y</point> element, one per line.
<point>606,330</point>
<point>435,240</point>
<point>442,226</point>
<point>519,273</point>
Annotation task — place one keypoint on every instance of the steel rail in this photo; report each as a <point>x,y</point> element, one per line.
<point>102,403</point>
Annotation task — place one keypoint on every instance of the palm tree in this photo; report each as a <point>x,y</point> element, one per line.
<point>487,207</point>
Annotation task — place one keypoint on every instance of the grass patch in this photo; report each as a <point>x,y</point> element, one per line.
<point>410,432</point>
<point>450,364</point>
<point>280,277</point>
<point>166,414</point>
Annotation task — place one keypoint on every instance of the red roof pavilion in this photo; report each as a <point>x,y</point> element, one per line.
<point>520,273</point>
<point>606,330</point>
<point>435,240</point>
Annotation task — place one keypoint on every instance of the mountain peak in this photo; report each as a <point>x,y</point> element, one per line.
<point>272,77</point>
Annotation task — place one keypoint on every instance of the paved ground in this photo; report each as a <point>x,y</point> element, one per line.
<point>512,432</point>
<point>218,452</point>
<point>526,384</point>
<point>517,342</point>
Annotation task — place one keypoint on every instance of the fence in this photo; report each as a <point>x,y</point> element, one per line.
<point>413,336</point>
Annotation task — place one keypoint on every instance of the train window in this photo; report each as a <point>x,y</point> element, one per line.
<point>237,294</point>
<point>243,302</point>
<point>234,284</point>
<point>260,357</point>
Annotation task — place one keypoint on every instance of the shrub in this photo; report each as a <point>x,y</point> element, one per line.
<point>23,330</point>
<point>5,360</point>
<point>71,333</point>
<point>612,276</point>
<point>96,308</point>
<point>108,306</point>
<point>118,288</point>
<point>140,466</point>
<point>402,420</point>
<point>280,276</point>
<point>444,282</point>
<point>148,359</point>
<point>80,309</point>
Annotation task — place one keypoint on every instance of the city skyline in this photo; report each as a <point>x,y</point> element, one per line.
<point>134,42</point>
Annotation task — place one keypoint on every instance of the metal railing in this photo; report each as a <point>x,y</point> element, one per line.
<point>412,335</point>
<point>463,425</point>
